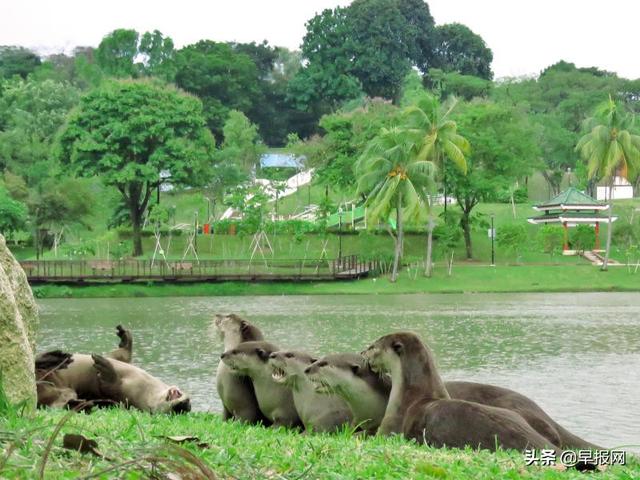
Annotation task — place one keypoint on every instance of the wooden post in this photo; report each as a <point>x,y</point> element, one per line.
<point>597,235</point>
<point>566,237</point>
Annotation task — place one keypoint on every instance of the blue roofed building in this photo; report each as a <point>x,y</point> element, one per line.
<point>281,160</point>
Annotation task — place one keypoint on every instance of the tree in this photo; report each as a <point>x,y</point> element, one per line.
<point>223,79</point>
<point>13,214</point>
<point>17,61</point>
<point>128,132</point>
<point>458,49</point>
<point>609,149</point>
<point>117,52</point>
<point>393,178</point>
<point>242,144</point>
<point>504,149</point>
<point>440,141</point>
<point>513,237</point>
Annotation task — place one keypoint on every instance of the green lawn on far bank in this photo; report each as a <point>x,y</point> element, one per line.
<point>134,445</point>
<point>465,278</point>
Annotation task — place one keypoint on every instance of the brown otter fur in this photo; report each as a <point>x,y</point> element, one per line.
<point>98,379</point>
<point>420,404</point>
<point>124,351</point>
<point>275,400</point>
<point>348,376</point>
<point>236,391</point>
<point>320,413</point>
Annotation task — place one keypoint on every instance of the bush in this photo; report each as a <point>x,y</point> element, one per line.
<point>512,237</point>
<point>582,238</point>
<point>550,239</point>
<point>520,195</point>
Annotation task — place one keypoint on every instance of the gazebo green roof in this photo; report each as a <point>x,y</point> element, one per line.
<point>572,199</point>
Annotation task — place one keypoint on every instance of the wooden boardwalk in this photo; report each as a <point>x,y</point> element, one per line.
<point>129,271</point>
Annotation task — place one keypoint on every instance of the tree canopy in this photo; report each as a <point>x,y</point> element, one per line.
<point>128,132</point>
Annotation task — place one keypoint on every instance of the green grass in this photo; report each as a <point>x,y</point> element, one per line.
<point>465,278</point>
<point>136,444</point>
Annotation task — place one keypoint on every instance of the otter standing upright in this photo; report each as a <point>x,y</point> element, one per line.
<point>236,391</point>
<point>420,406</point>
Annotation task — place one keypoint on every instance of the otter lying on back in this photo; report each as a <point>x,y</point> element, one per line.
<point>320,413</point>
<point>420,404</point>
<point>236,391</point>
<point>67,380</point>
<point>275,400</point>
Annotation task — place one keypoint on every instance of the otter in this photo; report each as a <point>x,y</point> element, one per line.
<point>235,391</point>
<point>421,408</point>
<point>368,395</point>
<point>320,413</point>
<point>78,377</point>
<point>348,376</point>
<point>124,351</point>
<point>71,380</point>
<point>275,400</point>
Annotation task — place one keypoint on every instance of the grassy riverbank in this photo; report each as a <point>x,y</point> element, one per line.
<point>465,278</point>
<point>134,445</point>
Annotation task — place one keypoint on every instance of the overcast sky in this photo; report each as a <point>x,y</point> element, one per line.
<point>525,35</point>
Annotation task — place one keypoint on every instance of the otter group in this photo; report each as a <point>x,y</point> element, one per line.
<point>392,387</point>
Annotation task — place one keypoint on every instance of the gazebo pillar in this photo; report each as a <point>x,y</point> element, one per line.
<point>565,247</point>
<point>597,247</point>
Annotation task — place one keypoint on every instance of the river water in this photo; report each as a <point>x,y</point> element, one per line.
<point>577,355</point>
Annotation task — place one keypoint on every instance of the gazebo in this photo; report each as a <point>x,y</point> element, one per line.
<point>571,208</point>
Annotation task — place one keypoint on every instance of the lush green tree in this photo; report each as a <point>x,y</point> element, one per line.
<point>126,53</point>
<point>13,214</point>
<point>382,43</point>
<point>420,32</point>
<point>128,132</point>
<point>512,237</point>
<point>458,49</point>
<point>448,84</point>
<point>440,142</point>
<point>31,113</point>
<point>550,238</point>
<point>117,52</point>
<point>393,178</point>
<point>17,61</point>
<point>610,148</point>
<point>242,144</point>
<point>57,205</point>
<point>346,134</point>
<point>504,150</point>
<point>223,79</point>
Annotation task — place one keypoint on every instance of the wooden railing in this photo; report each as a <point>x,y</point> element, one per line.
<point>195,270</point>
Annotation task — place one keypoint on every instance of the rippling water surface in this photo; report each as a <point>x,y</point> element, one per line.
<point>577,355</point>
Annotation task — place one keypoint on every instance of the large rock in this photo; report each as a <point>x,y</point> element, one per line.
<point>18,323</point>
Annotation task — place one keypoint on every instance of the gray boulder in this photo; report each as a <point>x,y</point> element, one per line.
<point>18,323</point>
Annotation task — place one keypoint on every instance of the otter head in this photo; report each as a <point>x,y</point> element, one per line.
<point>173,400</point>
<point>386,354</point>
<point>249,357</point>
<point>288,367</point>
<point>234,330</point>
<point>346,375</point>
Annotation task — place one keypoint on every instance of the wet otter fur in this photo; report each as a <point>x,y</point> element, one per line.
<point>348,376</point>
<point>318,412</point>
<point>420,404</point>
<point>275,400</point>
<point>236,391</point>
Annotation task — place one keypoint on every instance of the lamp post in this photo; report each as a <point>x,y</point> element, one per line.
<point>493,236</point>
<point>340,235</point>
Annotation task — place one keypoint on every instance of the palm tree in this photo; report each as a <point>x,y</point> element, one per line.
<point>439,141</point>
<point>392,178</point>
<point>610,149</point>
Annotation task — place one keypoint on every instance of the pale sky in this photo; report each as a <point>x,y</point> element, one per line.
<point>525,35</point>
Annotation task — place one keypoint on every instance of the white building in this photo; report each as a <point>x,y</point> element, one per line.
<point>621,189</point>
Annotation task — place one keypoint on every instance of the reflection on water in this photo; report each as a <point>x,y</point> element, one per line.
<point>577,355</point>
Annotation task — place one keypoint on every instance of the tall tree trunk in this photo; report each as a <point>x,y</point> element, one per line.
<point>429,261</point>
<point>465,221</point>
<point>399,239</point>
<point>136,221</point>
<point>605,264</point>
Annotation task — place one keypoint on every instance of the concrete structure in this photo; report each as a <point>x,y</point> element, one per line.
<point>622,189</point>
